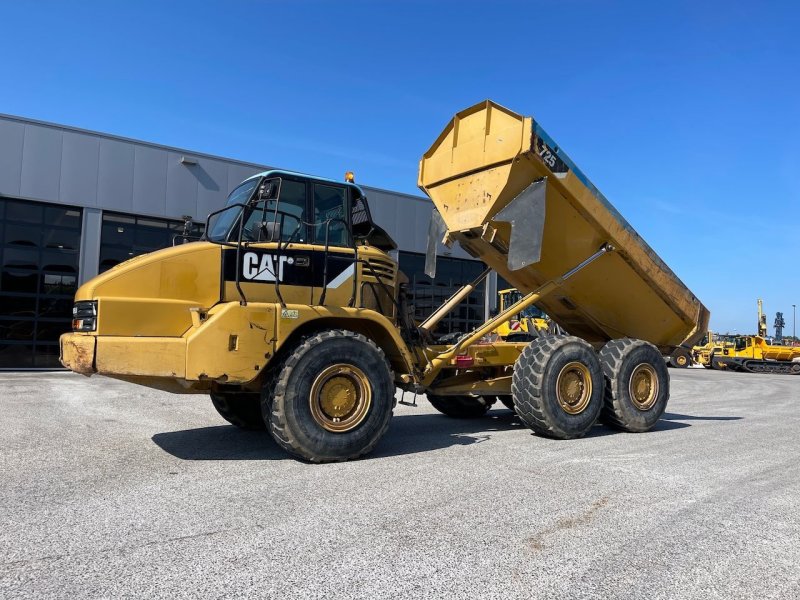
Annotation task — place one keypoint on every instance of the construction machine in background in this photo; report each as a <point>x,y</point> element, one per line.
<point>779,324</point>
<point>712,343</point>
<point>291,312</point>
<point>762,320</point>
<point>525,325</point>
<point>752,354</point>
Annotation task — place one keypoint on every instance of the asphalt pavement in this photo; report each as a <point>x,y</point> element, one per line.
<point>108,489</point>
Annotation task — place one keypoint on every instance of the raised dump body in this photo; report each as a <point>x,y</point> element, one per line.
<point>481,164</point>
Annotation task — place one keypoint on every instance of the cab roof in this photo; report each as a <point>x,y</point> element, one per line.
<point>279,172</point>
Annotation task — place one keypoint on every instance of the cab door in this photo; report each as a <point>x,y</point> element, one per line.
<point>334,257</point>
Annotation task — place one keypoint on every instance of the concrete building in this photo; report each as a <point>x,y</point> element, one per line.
<point>74,203</point>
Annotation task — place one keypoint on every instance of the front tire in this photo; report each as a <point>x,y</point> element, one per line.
<point>637,385</point>
<point>557,387</point>
<point>333,398</point>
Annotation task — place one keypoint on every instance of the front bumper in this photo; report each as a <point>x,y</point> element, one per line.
<point>111,355</point>
<point>77,352</point>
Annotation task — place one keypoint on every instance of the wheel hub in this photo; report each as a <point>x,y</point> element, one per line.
<point>340,398</point>
<point>643,387</point>
<point>574,388</point>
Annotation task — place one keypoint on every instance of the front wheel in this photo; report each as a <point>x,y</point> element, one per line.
<point>332,398</point>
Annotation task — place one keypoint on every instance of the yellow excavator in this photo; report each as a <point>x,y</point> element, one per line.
<point>292,314</point>
<point>711,344</point>
<point>525,325</point>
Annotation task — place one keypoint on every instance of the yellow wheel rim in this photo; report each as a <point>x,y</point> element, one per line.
<point>644,386</point>
<point>574,388</point>
<point>340,398</point>
<point>681,360</point>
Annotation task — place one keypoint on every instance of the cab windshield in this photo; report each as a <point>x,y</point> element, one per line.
<point>218,231</point>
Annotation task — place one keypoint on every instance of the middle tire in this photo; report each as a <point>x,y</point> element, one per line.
<point>505,399</point>
<point>240,409</point>
<point>557,386</point>
<point>462,407</point>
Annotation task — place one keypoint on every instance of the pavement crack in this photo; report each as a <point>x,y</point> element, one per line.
<point>536,542</point>
<point>126,548</point>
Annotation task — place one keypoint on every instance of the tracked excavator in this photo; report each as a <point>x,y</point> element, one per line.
<point>754,353</point>
<point>291,313</point>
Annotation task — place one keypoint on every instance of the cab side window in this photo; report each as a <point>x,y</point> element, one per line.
<point>330,215</point>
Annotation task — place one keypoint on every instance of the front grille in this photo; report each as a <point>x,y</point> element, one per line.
<point>384,269</point>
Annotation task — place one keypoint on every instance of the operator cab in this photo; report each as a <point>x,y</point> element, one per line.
<point>288,207</point>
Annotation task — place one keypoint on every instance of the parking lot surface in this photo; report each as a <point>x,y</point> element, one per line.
<point>114,490</point>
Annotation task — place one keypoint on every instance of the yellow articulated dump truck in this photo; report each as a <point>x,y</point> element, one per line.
<point>292,315</point>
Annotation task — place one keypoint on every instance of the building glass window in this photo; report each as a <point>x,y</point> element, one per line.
<point>125,236</point>
<point>428,294</point>
<point>39,252</point>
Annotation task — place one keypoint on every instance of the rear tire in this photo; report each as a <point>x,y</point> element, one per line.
<point>557,386</point>
<point>462,407</point>
<point>333,398</point>
<point>240,409</point>
<point>637,385</point>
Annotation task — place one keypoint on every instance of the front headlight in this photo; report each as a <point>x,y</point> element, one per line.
<point>84,315</point>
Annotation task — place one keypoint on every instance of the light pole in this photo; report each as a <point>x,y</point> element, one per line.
<point>794,320</point>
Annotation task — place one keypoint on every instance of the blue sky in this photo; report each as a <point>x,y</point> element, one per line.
<point>685,114</point>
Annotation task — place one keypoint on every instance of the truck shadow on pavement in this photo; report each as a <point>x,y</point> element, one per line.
<point>408,434</point>
<point>677,417</point>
